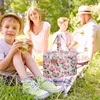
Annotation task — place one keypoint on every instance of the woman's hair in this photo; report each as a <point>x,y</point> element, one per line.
<point>29,23</point>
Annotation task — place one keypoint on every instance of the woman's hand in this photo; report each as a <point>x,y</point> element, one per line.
<point>30,45</point>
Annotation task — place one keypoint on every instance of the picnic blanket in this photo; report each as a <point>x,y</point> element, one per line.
<point>67,82</point>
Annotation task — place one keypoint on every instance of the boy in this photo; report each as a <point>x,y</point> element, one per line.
<point>12,59</point>
<point>66,36</point>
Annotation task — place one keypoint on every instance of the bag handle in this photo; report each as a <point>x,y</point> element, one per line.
<point>58,40</point>
<point>54,42</point>
<point>64,41</point>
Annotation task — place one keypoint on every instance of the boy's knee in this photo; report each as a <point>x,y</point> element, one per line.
<point>26,54</point>
<point>18,53</point>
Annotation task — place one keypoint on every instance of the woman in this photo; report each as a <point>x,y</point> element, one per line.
<point>37,30</point>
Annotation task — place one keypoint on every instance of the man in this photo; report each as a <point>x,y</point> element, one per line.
<point>89,41</point>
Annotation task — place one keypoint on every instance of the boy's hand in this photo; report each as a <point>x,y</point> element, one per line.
<point>16,45</point>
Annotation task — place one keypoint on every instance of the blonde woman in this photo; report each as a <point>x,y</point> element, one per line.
<point>37,30</point>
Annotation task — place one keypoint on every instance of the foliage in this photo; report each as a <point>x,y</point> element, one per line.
<point>19,5</point>
<point>51,10</point>
<point>96,12</point>
<point>1,6</point>
<point>7,6</point>
<point>55,9</point>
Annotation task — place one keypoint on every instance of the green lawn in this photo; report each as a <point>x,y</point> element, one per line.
<point>87,88</point>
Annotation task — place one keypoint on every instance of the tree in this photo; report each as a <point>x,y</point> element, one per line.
<point>51,10</point>
<point>1,6</point>
<point>19,5</point>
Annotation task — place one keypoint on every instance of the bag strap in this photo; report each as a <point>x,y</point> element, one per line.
<point>58,41</point>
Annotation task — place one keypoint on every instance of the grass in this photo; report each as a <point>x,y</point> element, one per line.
<point>87,88</point>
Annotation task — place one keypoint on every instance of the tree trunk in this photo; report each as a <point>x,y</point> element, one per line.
<point>1,7</point>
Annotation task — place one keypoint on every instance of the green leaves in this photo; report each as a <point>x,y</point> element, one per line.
<point>19,5</point>
<point>55,9</point>
<point>51,10</point>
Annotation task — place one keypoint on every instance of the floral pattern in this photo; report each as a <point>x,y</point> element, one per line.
<point>59,63</point>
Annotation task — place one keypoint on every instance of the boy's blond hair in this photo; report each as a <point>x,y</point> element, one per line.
<point>62,19</point>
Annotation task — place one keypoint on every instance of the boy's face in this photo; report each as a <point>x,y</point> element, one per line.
<point>63,26</point>
<point>10,28</point>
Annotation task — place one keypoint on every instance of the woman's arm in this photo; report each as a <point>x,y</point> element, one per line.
<point>46,38</point>
<point>30,45</point>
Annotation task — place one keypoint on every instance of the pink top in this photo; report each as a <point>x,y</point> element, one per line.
<point>38,40</point>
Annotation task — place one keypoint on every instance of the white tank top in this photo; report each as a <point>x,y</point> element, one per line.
<point>38,40</point>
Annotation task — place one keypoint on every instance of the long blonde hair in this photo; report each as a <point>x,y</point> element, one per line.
<point>29,23</point>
